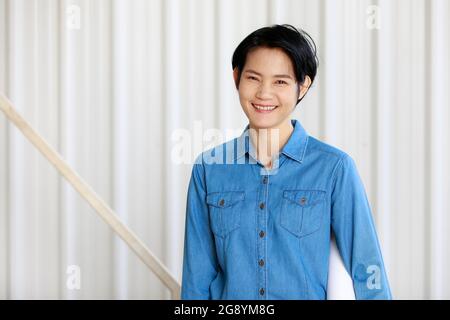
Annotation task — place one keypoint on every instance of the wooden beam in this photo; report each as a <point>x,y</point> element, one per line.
<point>105,212</point>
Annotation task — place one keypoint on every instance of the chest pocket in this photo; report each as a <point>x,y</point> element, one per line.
<point>302,211</point>
<point>225,211</point>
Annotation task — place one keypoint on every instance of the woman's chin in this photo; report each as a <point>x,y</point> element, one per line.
<point>262,123</point>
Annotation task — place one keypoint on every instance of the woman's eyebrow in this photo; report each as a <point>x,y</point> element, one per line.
<point>275,76</point>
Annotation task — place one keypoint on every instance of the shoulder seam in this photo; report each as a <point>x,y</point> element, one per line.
<point>335,170</point>
<point>338,153</point>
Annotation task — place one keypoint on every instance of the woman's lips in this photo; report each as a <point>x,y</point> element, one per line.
<point>263,108</point>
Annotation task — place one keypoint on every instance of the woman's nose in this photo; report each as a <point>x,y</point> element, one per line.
<point>264,91</point>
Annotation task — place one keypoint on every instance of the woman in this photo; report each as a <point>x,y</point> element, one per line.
<point>260,207</point>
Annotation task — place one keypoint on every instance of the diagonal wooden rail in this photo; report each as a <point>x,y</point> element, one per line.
<point>105,212</point>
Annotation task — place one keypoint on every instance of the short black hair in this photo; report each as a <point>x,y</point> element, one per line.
<point>296,43</point>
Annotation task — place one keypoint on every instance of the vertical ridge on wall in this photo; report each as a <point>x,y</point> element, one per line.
<point>58,76</point>
<point>99,137</point>
<point>121,100</point>
<point>174,88</point>
<point>164,114</point>
<point>364,104</point>
<point>402,143</point>
<point>4,163</point>
<point>155,145</point>
<point>385,98</point>
<point>417,158</point>
<point>46,111</point>
<point>380,98</point>
<point>69,102</point>
<point>333,61</point>
<point>322,100</point>
<point>106,102</point>
<point>139,219</point>
<point>373,75</point>
<point>23,215</point>
<point>427,168</point>
<point>439,149</point>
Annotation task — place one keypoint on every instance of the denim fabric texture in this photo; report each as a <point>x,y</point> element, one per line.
<point>257,233</point>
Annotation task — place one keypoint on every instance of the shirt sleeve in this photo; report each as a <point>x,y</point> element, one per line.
<point>200,264</point>
<point>356,238</point>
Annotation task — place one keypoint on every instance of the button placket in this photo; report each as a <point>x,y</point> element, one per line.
<point>262,217</point>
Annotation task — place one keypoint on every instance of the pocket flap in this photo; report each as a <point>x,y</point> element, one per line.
<point>304,198</point>
<point>224,199</point>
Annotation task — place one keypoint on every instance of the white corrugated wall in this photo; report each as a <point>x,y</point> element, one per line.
<point>110,93</point>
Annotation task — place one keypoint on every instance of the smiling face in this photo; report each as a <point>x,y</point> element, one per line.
<point>268,89</point>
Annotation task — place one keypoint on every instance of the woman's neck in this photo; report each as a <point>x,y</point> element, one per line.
<point>269,141</point>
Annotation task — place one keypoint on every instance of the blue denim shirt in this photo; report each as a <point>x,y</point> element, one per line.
<point>254,233</point>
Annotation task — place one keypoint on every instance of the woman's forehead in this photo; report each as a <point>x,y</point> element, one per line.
<point>269,62</point>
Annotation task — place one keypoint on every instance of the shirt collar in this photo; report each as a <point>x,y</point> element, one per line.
<point>295,147</point>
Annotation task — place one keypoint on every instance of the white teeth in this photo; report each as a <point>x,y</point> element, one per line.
<point>268,108</point>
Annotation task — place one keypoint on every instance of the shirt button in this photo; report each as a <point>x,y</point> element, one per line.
<point>261,234</point>
<point>302,200</point>
<point>221,202</point>
<point>261,205</point>
<point>261,291</point>
<point>265,180</point>
<point>261,263</point>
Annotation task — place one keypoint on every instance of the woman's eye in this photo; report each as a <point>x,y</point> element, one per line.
<point>279,82</point>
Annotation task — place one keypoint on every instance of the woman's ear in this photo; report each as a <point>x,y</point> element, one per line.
<point>236,77</point>
<point>304,87</point>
